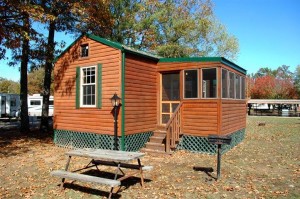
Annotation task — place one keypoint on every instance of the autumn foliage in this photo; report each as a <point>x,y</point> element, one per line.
<point>271,87</point>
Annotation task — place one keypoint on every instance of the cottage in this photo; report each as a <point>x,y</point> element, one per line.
<point>166,103</point>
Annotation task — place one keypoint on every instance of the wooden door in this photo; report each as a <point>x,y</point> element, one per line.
<point>170,95</point>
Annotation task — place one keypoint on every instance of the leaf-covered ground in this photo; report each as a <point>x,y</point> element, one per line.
<point>265,165</point>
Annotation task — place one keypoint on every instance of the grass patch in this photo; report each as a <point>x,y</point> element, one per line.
<point>265,165</point>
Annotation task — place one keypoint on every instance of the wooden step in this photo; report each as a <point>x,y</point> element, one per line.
<point>155,139</point>
<point>159,133</point>
<point>155,146</point>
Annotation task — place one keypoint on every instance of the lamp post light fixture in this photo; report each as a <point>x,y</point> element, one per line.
<point>115,102</point>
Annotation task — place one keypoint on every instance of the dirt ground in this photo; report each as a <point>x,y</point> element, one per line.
<point>265,165</point>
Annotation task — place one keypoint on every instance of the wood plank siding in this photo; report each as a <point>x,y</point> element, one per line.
<point>200,117</point>
<point>140,94</point>
<point>95,120</point>
<point>233,115</point>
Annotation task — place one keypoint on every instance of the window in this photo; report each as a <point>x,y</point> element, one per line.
<point>191,84</point>
<point>231,85</point>
<point>51,102</point>
<point>88,87</point>
<point>209,83</point>
<point>243,85</point>
<point>84,50</point>
<point>237,87</point>
<point>224,83</point>
<point>35,102</point>
<point>170,87</point>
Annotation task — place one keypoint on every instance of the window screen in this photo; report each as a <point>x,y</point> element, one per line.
<point>237,87</point>
<point>224,83</point>
<point>191,84</point>
<point>231,85</point>
<point>209,83</point>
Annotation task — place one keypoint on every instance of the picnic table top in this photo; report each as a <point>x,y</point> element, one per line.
<point>111,155</point>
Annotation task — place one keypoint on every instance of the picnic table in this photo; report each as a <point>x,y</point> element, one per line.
<point>118,159</point>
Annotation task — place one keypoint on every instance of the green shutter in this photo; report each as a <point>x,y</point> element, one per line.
<point>99,86</point>
<point>77,87</point>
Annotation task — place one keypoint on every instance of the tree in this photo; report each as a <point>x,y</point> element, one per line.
<point>67,16</point>
<point>9,86</point>
<point>36,81</point>
<point>270,87</point>
<point>17,34</point>
<point>283,72</point>
<point>265,72</point>
<point>170,28</point>
<point>297,79</point>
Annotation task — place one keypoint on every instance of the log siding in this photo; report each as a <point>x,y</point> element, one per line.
<point>94,120</point>
<point>140,94</point>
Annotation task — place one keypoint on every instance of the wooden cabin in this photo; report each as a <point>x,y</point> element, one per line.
<point>166,103</point>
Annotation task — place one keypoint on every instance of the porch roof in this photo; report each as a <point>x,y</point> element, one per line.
<point>205,59</point>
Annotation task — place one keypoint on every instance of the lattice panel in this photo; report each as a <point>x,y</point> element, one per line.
<point>136,141</point>
<point>196,144</point>
<point>201,144</point>
<point>236,138</point>
<point>72,139</point>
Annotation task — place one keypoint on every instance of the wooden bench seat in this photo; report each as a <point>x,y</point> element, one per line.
<point>85,178</point>
<point>122,165</point>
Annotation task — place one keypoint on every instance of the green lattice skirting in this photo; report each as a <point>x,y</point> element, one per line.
<point>73,139</point>
<point>201,145</point>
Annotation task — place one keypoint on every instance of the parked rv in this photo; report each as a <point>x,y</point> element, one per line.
<point>10,105</point>
<point>35,103</point>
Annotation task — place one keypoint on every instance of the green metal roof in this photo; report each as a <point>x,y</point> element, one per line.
<point>205,59</point>
<point>128,49</point>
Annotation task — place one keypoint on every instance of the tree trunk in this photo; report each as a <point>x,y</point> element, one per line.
<point>23,79</point>
<point>47,79</point>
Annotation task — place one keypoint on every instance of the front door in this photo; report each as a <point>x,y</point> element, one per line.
<point>170,95</point>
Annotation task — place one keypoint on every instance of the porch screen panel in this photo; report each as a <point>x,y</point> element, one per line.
<point>224,83</point>
<point>237,87</point>
<point>191,84</point>
<point>231,85</point>
<point>209,83</point>
<point>170,89</point>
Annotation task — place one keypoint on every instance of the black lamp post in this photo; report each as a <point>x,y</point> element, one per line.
<point>115,102</point>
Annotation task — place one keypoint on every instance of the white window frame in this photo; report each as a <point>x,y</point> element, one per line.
<point>183,93</point>
<point>217,94</point>
<point>82,84</point>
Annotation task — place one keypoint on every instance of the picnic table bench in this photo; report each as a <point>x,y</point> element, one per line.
<point>119,159</point>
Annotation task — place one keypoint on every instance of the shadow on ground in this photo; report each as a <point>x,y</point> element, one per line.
<point>12,142</point>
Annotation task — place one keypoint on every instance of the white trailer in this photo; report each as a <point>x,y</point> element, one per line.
<point>10,105</point>
<point>35,103</point>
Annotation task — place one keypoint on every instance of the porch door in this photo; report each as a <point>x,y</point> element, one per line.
<point>170,95</point>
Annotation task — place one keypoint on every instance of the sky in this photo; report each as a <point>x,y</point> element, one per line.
<point>268,32</point>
